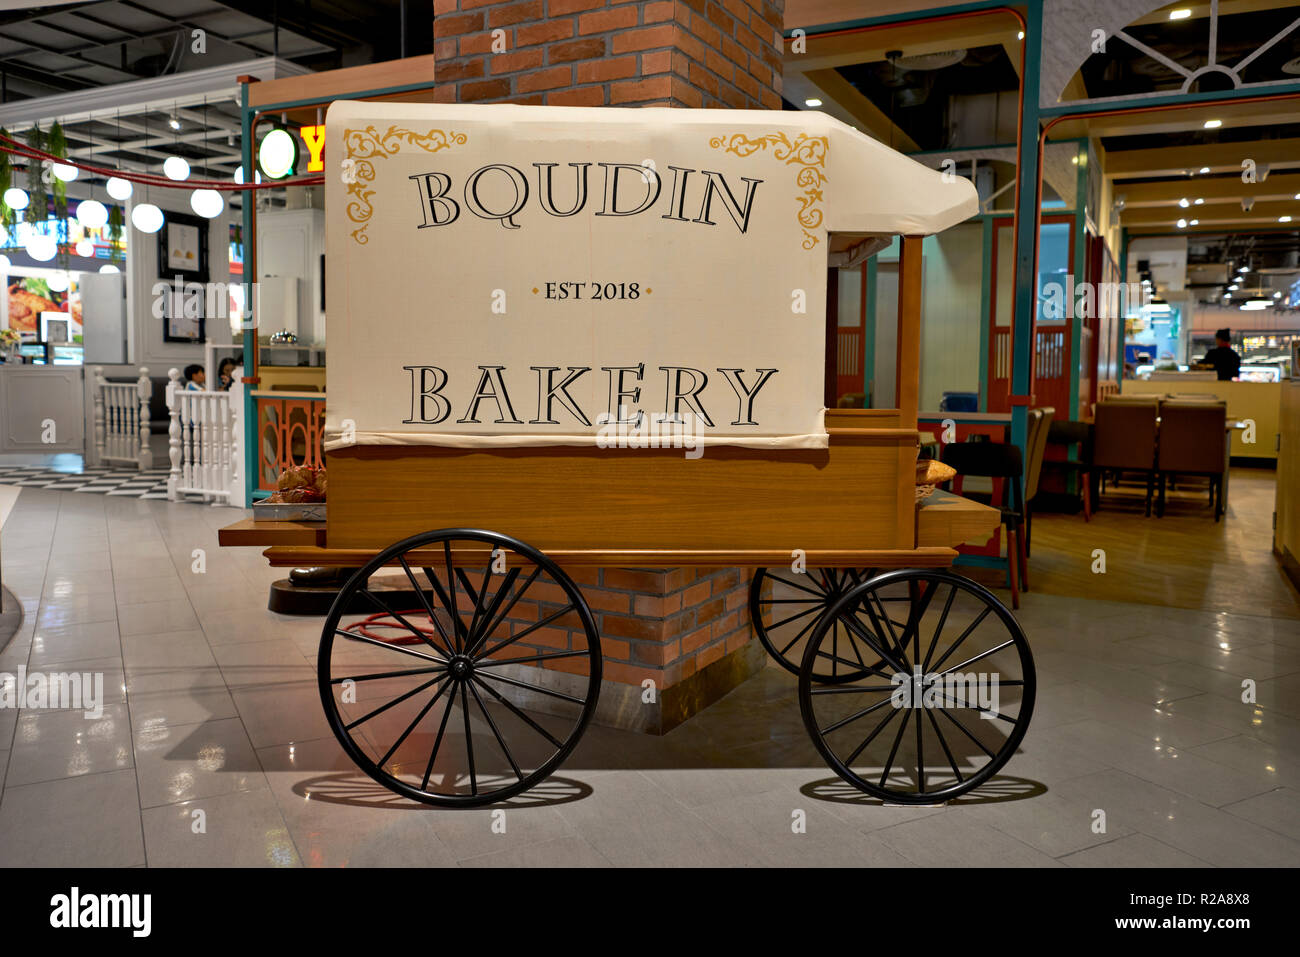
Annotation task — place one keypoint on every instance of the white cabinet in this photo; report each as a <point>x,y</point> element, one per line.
<point>291,246</point>
<point>41,409</point>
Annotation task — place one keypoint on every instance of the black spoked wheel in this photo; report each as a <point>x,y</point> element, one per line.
<point>785,607</point>
<point>948,706</point>
<point>479,687</point>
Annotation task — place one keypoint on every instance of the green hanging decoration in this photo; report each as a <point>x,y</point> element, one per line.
<point>8,217</point>
<point>116,223</point>
<point>38,207</point>
<point>57,144</point>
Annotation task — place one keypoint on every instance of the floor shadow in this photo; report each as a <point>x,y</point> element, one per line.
<point>354,789</point>
<point>11,617</point>
<point>998,789</point>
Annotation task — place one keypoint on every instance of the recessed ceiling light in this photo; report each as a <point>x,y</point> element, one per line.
<point>1196,222</point>
<point>1182,224</point>
<point>1020,35</point>
<point>1199,202</point>
<point>1234,287</point>
<point>1205,169</point>
<point>813,101</point>
<point>1277,295</point>
<point>1184,202</point>
<point>1244,269</point>
<point>1213,124</point>
<point>174,123</point>
<point>1284,219</point>
<point>1182,13</point>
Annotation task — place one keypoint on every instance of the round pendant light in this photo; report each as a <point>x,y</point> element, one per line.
<point>92,214</point>
<point>42,248</point>
<point>64,172</point>
<point>16,199</point>
<point>277,153</point>
<point>59,282</point>
<point>207,203</point>
<point>108,267</point>
<point>4,261</point>
<point>146,217</point>
<point>176,168</point>
<point>85,249</point>
<point>118,188</point>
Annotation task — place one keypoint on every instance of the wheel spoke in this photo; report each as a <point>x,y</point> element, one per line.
<point>913,629</point>
<point>519,714</point>
<point>469,736</point>
<point>803,588</point>
<point>400,649</point>
<point>893,752</point>
<point>519,661</point>
<point>531,628</point>
<point>501,616</point>
<point>539,690</point>
<point>418,718</point>
<point>437,742</point>
<point>966,731</point>
<point>867,638</point>
<point>830,729</point>
<point>497,734</point>
<point>964,635</point>
<point>952,763</point>
<point>428,606</point>
<point>871,737</point>
<point>451,588</point>
<point>893,635</point>
<point>489,613</point>
<point>383,605</point>
<point>806,611</point>
<point>375,676</point>
<point>448,603</point>
<point>994,714</point>
<point>920,747</point>
<point>938,629</point>
<point>382,708</point>
<point>974,658</point>
<point>862,667</point>
<point>795,640</point>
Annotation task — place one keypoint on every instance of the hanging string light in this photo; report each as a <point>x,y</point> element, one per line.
<point>145,216</point>
<point>116,187</point>
<point>207,202</point>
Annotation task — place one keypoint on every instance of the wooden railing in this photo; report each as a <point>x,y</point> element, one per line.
<point>290,431</point>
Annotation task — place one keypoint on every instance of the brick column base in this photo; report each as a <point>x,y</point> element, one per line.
<point>685,630</point>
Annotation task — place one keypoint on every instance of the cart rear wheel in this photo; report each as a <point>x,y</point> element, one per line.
<point>475,690</point>
<point>948,707</point>
<point>785,608</point>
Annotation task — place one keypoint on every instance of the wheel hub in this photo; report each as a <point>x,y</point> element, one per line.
<point>461,667</point>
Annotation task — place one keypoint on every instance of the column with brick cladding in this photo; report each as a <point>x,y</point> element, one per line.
<point>686,631</point>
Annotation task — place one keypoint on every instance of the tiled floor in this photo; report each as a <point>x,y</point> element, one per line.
<point>212,749</point>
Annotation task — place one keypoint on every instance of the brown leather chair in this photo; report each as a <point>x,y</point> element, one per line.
<point>1192,443</point>
<point>1124,440</point>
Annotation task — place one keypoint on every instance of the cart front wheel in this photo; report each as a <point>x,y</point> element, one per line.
<point>475,676</point>
<point>948,706</point>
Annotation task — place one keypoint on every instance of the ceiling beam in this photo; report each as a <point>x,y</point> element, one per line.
<point>1219,157</point>
<point>1213,217</point>
<point>912,38</point>
<point>1278,186</point>
<point>1190,120</point>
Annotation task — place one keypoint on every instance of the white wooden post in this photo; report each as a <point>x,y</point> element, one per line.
<point>144,389</point>
<point>99,415</point>
<point>174,434</point>
<point>239,487</point>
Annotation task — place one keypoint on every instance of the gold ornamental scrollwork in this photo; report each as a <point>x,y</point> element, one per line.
<point>363,147</point>
<point>806,153</point>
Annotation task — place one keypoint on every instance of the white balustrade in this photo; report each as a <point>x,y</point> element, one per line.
<point>122,420</point>
<point>202,441</point>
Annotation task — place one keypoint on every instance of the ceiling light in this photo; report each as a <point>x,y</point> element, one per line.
<point>1277,295</point>
<point>1205,169</point>
<point>147,217</point>
<point>4,261</point>
<point>16,199</point>
<point>1182,224</point>
<point>1195,222</point>
<point>85,249</point>
<point>1254,305</point>
<point>174,123</point>
<point>1234,287</point>
<point>174,167</point>
<point>108,268</point>
<point>41,247</point>
<point>1182,13</point>
<point>208,203</point>
<point>1284,219</point>
<point>118,188</point>
<point>277,153</point>
<point>1020,35</point>
<point>812,101</point>
<point>92,214</point>
<point>1199,202</point>
<point>59,282</point>
<point>1213,124</point>
<point>64,172</point>
<point>1243,268</point>
<point>1184,202</point>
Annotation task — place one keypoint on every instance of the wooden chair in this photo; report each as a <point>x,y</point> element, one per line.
<point>1077,434</point>
<point>998,460</point>
<point>1192,443</point>
<point>1124,440</point>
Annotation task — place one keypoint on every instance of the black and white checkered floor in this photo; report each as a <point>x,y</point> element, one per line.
<point>102,480</point>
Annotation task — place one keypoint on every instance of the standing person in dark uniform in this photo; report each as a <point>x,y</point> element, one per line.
<point>1223,357</point>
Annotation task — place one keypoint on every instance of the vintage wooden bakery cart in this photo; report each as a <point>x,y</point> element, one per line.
<point>562,339</point>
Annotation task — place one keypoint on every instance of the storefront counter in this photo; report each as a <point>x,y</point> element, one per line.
<point>1248,401</point>
<point>41,409</point>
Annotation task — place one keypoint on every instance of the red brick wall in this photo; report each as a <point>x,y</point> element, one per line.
<point>663,624</point>
<point>686,53</point>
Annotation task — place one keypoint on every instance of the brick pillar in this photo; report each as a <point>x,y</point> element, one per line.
<point>685,629</point>
<point>686,53</point>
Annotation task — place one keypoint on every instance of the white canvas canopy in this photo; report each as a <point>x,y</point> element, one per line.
<point>517,276</point>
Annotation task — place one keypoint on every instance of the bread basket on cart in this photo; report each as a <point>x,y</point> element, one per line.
<point>566,338</point>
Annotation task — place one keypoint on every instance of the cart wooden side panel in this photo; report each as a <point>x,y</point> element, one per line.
<point>857,494</point>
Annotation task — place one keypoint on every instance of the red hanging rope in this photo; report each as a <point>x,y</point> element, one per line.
<point>16,148</point>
